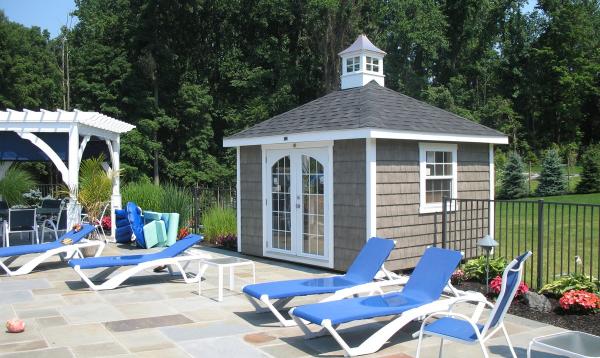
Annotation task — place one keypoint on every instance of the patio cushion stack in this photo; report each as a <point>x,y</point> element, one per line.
<point>123,228</point>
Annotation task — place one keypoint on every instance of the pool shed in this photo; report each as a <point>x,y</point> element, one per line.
<point>314,183</point>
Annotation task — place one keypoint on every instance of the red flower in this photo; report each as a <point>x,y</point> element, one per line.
<point>106,223</point>
<point>579,301</point>
<point>183,232</point>
<point>496,286</point>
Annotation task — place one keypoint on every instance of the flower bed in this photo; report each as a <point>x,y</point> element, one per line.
<point>571,302</point>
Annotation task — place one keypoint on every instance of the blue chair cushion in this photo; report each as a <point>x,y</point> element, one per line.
<point>363,270</point>
<point>425,285</point>
<point>353,309</point>
<point>293,288</point>
<point>137,223</point>
<point>454,328</point>
<point>130,260</point>
<point>36,249</point>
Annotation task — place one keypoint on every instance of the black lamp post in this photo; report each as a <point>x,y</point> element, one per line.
<point>487,244</point>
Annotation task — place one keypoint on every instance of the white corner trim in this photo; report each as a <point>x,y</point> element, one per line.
<point>371,180</point>
<point>492,197</point>
<point>328,135</point>
<point>423,148</point>
<point>238,202</point>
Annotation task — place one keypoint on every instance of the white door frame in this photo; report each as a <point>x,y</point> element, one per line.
<point>296,255</point>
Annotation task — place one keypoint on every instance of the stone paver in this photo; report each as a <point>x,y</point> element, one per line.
<point>149,322</point>
<point>157,315</point>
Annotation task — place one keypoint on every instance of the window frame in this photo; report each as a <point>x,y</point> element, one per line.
<point>425,207</point>
<point>356,61</point>
<point>369,62</point>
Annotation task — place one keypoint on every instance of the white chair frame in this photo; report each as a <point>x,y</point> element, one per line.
<point>117,280</point>
<point>65,253</point>
<point>488,331</point>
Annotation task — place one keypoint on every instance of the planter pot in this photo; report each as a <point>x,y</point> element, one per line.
<point>88,251</point>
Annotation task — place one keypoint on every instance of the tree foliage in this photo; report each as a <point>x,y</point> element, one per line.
<point>513,185</point>
<point>552,178</point>
<point>189,72</point>
<point>590,175</point>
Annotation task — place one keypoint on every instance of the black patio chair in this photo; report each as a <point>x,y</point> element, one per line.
<point>20,221</point>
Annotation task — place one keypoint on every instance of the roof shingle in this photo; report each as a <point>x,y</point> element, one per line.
<point>370,106</point>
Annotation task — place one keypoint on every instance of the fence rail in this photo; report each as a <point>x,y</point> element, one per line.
<point>203,198</point>
<point>564,237</point>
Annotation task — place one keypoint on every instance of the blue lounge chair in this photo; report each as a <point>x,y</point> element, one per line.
<point>48,250</point>
<point>460,328</point>
<point>420,296</point>
<point>363,270</point>
<point>166,257</point>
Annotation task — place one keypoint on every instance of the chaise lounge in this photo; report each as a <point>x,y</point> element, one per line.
<point>369,262</point>
<point>167,257</point>
<point>49,249</point>
<point>420,296</point>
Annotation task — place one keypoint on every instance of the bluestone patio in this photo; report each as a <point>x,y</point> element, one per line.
<point>154,315</point>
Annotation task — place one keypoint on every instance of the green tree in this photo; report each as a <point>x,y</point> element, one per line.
<point>590,175</point>
<point>513,180</point>
<point>552,178</point>
<point>29,73</point>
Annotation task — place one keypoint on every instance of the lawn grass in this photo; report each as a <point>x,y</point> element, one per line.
<point>571,227</point>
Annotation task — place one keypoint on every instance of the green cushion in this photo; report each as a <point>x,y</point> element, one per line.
<point>155,233</point>
<point>172,227</point>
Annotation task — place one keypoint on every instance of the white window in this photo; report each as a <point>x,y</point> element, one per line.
<point>352,64</point>
<point>372,64</point>
<point>437,175</point>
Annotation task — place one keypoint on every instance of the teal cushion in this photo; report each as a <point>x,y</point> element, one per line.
<point>172,228</point>
<point>155,233</point>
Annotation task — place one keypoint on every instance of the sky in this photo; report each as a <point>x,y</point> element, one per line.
<point>47,14</point>
<point>52,14</point>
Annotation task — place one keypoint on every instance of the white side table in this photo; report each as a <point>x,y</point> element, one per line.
<point>572,344</point>
<point>221,264</point>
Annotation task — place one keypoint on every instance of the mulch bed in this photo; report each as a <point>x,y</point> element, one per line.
<point>585,323</point>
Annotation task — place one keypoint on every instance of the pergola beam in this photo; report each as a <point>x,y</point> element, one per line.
<point>44,147</point>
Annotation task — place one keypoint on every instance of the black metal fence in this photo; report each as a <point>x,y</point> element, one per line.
<point>564,237</point>
<point>203,198</point>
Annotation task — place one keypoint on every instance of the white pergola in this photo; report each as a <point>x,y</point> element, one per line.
<point>81,127</point>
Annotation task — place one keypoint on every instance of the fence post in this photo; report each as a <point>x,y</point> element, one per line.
<point>444,221</point>
<point>540,245</point>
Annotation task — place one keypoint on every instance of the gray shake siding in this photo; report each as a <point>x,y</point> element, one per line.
<point>251,199</point>
<point>398,195</point>
<point>349,200</point>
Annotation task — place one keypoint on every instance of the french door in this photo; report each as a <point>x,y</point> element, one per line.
<point>297,203</point>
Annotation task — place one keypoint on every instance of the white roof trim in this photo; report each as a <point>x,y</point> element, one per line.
<point>363,133</point>
<point>59,121</point>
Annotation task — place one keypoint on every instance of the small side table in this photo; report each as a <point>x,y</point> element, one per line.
<point>572,344</point>
<point>220,264</point>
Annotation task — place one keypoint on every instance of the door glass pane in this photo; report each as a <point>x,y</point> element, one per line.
<point>313,208</point>
<point>280,180</point>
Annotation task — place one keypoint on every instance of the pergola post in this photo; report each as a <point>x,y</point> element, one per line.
<point>116,183</point>
<point>73,208</point>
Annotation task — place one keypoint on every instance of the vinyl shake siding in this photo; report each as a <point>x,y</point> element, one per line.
<point>251,200</point>
<point>398,196</point>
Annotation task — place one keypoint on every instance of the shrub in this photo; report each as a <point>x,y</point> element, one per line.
<point>177,200</point>
<point>95,186</point>
<point>590,175</point>
<point>218,221</point>
<point>457,277</point>
<point>513,185</point>
<point>166,198</point>
<point>578,301</point>
<point>145,194</point>
<point>573,282</point>
<point>228,242</point>
<point>15,183</point>
<point>552,178</point>
<point>475,268</point>
<point>496,286</point>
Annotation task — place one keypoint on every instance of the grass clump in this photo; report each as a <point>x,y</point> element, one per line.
<point>218,222</point>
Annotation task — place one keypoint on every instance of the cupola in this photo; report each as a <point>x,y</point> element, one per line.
<point>362,63</point>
